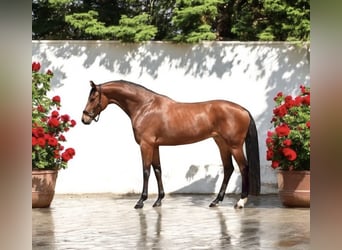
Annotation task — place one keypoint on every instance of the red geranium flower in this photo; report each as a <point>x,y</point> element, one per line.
<point>47,137</point>
<point>279,94</point>
<point>298,101</point>
<point>53,122</point>
<point>41,142</point>
<point>65,157</point>
<point>287,142</point>
<point>290,154</point>
<point>308,124</point>
<point>56,99</point>
<point>282,130</point>
<point>269,155</point>
<point>61,138</point>
<point>72,123</point>
<point>34,141</point>
<point>53,141</point>
<point>270,133</point>
<point>70,151</point>
<point>306,100</point>
<point>40,108</point>
<point>65,118</point>
<point>68,154</point>
<point>280,111</point>
<point>54,113</point>
<point>35,66</point>
<point>275,164</point>
<point>304,90</point>
<point>289,102</point>
<point>269,141</point>
<point>38,132</point>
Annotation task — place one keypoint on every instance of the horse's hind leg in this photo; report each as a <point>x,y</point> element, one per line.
<point>242,163</point>
<point>227,169</point>
<point>158,174</point>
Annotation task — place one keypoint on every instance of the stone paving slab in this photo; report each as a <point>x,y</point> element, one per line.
<point>107,221</point>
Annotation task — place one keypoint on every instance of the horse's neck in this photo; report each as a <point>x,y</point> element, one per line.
<point>128,98</point>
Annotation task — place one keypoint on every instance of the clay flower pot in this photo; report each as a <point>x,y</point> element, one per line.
<point>43,187</point>
<point>294,188</point>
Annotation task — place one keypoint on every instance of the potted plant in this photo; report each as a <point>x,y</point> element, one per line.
<point>48,129</point>
<point>288,147</point>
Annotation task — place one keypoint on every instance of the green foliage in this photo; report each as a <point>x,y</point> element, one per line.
<point>59,3</point>
<point>201,33</point>
<point>48,18</point>
<point>40,88</point>
<point>193,20</point>
<point>134,29</point>
<point>87,23</point>
<point>176,20</point>
<point>83,20</point>
<point>272,20</point>
<point>161,16</point>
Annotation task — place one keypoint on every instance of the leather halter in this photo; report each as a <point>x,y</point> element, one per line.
<point>98,106</point>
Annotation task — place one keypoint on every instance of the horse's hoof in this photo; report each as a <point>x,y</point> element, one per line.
<point>213,204</point>
<point>241,203</point>
<point>157,204</point>
<point>139,205</point>
<point>236,206</point>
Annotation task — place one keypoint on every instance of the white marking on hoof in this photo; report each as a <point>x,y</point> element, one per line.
<point>241,203</point>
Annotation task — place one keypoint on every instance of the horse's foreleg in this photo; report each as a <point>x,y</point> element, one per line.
<point>158,174</point>
<point>241,161</point>
<point>146,154</point>
<point>144,194</point>
<point>161,194</point>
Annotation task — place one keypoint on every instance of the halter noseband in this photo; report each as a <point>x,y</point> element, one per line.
<point>98,105</point>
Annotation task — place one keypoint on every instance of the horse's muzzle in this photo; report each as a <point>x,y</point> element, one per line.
<point>86,118</point>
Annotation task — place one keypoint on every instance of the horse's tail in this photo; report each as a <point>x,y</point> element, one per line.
<point>252,152</point>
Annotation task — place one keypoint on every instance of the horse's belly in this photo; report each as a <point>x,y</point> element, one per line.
<point>185,136</point>
<point>185,124</point>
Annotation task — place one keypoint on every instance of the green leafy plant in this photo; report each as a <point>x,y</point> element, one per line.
<point>135,29</point>
<point>288,145</point>
<point>192,20</point>
<point>48,126</point>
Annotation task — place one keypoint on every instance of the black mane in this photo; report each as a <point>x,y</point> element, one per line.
<point>135,85</point>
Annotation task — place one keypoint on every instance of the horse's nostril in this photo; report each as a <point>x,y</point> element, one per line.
<point>85,121</point>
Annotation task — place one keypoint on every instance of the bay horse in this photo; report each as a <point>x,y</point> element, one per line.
<point>158,120</point>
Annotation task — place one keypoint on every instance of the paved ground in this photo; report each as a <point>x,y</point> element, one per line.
<point>183,222</point>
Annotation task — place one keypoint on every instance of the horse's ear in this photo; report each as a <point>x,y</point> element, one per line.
<point>92,84</point>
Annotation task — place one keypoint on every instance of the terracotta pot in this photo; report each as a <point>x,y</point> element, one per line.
<point>43,187</point>
<point>294,188</point>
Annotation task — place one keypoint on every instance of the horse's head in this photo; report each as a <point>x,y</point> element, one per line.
<point>96,103</point>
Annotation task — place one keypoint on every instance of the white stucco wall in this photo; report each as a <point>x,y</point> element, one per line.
<point>107,157</point>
